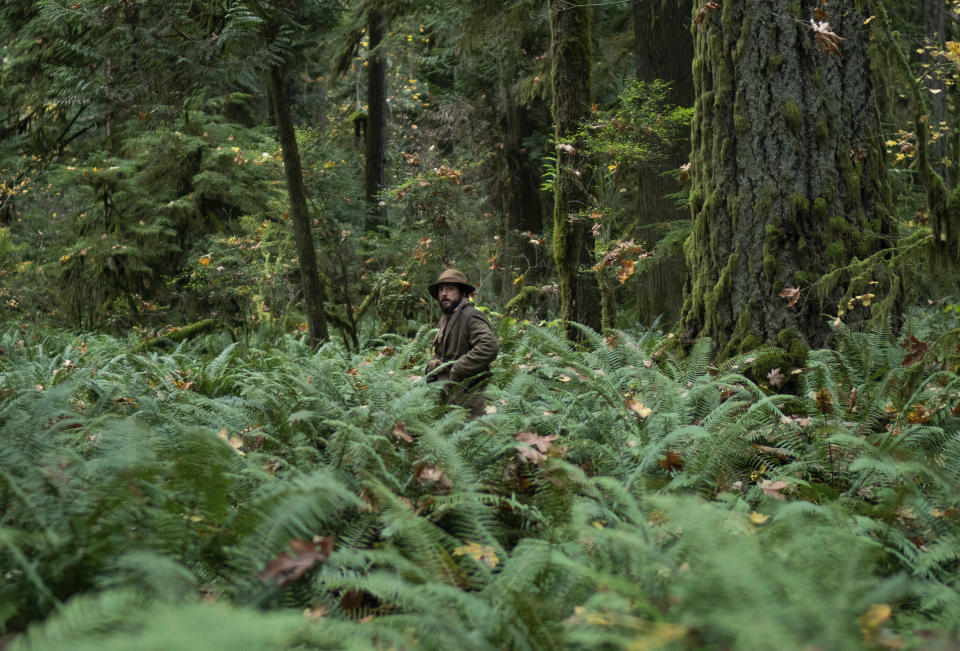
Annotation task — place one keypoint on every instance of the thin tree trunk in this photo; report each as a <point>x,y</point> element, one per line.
<point>375,170</point>
<point>788,175</point>
<point>313,290</point>
<point>573,242</point>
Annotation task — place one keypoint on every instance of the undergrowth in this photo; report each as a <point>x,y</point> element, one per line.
<point>257,494</point>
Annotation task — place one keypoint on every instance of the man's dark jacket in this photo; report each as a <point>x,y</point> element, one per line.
<point>468,339</point>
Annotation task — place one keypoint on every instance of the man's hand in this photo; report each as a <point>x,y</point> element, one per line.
<point>431,367</point>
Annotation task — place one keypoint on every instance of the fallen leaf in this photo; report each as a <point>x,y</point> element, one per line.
<point>673,461</point>
<point>400,432</point>
<point>918,415</point>
<point>481,553</point>
<point>758,518</point>
<point>872,620</point>
<point>526,453</point>
<point>773,488</point>
<point>780,453</point>
<point>542,443</point>
<point>535,447</point>
<point>429,473</point>
<point>776,378</point>
<point>916,348</point>
<point>637,408</point>
<point>286,569</point>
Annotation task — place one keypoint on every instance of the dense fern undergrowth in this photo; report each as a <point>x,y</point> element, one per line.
<point>256,494</point>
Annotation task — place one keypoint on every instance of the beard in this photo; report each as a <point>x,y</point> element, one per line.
<point>450,307</point>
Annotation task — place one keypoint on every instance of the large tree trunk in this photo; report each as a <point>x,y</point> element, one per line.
<point>663,49</point>
<point>313,291</point>
<point>788,174</point>
<point>375,170</point>
<point>573,241</point>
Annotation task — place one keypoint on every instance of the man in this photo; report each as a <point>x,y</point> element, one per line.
<point>464,338</point>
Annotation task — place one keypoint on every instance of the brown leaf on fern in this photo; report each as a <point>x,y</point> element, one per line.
<point>286,569</point>
<point>916,349</point>
<point>775,377</point>
<point>535,447</point>
<point>673,461</point>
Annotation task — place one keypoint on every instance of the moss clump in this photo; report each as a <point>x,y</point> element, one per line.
<point>770,265</point>
<point>775,61</point>
<point>819,208</point>
<point>821,131</point>
<point>794,346</point>
<point>801,246</point>
<point>799,205</point>
<point>696,201</point>
<point>818,76</point>
<point>836,252</point>
<point>838,226</point>
<point>793,115</point>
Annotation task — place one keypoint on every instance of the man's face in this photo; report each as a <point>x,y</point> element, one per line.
<point>449,296</point>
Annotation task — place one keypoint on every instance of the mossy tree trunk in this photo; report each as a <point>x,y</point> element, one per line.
<point>788,173</point>
<point>660,290</point>
<point>375,167</point>
<point>573,241</point>
<point>314,294</point>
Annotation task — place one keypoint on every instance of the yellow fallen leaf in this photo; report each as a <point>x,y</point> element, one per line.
<point>758,518</point>
<point>480,553</point>
<point>637,408</point>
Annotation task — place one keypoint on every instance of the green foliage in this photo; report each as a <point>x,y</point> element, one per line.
<point>613,494</point>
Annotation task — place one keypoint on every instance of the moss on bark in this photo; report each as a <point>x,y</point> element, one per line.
<point>776,198</point>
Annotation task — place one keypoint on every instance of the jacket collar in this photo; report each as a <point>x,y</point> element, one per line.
<point>447,319</point>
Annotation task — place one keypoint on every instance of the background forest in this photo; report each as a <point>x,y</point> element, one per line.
<point>718,243</point>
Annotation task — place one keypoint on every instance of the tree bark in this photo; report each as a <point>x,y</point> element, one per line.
<point>788,174</point>
<point>663,49</point>
<point>573,242</point>
<point>375,169</point>
<point>314,294</point>
<point>934,23</point>
<point>519,192</point>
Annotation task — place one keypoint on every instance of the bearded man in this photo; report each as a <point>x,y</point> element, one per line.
<point>465,338</point>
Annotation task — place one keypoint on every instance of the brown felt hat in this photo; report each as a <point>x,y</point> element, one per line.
<point>451,277</point>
